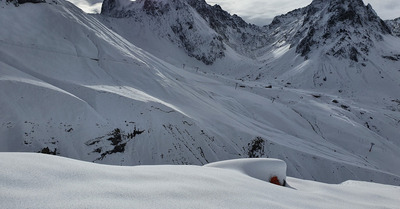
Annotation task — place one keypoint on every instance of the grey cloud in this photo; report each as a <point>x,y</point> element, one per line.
<point>386,9</point>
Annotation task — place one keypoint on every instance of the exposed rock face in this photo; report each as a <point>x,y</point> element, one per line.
<point>31,1</point>
<point>108,7</point>
<point>238,34</point>
<point>124,8</point>
<point>394,26</point>
<point>348,27</point>
<point>18,2</point>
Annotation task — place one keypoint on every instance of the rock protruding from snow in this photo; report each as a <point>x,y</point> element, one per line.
<point>394,26</point>
<point>31,1</point>
<point>108,6</point>
<point>346,29</point>
<point>265,169</point>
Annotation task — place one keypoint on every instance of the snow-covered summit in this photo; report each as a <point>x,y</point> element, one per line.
<point>346,29</point>
<point>126,8</point>
<point>343,45</point>
<point>174,20</point>
<point>203,31</point>
<point>241,36</point>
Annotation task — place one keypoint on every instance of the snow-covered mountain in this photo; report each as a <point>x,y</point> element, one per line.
<point>175,20</point>
<point>177,82</point>
<point>338,30</point>
<point>241,36</point>
<point>203,31</point>
<point>346,54</point>
<point>345,29</point>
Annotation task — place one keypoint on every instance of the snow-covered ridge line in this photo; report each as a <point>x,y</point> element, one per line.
<point>175,21</point>
<point>350,26</point>
<point>189,25</point>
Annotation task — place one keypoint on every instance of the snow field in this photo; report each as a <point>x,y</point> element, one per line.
<point>45,181</point>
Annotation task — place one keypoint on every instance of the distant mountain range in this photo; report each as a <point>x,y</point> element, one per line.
<point>183,82</point>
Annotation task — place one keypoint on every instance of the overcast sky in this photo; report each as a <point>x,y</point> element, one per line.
<point>261,12</point>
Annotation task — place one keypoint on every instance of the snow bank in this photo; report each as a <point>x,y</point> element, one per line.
<point>29,180</point>
<point>260,168</point>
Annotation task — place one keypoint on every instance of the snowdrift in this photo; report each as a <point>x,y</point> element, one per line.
<point>260,168</point>
<point>44,181</point>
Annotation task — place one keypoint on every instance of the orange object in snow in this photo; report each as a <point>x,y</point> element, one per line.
<point>275,180</point>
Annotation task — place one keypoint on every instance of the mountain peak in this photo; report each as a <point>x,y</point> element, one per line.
<point>338,14</point>
<point>348,27</point>
<point>185,22</point>
<point>123,8</point>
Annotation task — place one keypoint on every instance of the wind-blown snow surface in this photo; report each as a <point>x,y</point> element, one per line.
<point>73,87</point>
<point>263,169</point>
<point>44,181</point>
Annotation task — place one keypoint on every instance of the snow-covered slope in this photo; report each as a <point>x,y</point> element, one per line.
<point>90,89</point>
<point>40,181</point>
<point>345,54</point>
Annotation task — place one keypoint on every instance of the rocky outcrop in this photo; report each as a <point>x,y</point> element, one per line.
<point>18,2</point>
<point>238,34</point>
<point>394,25</point>
<point>31,1</point>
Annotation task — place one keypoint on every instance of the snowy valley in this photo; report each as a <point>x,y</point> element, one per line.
<point>156,82</point>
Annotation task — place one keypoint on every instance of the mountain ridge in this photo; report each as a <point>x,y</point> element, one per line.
<point>248,39</point>
<point>336,20</point>
<point>177,21</point>
<point>230,30</point>
<point>121,91</point>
